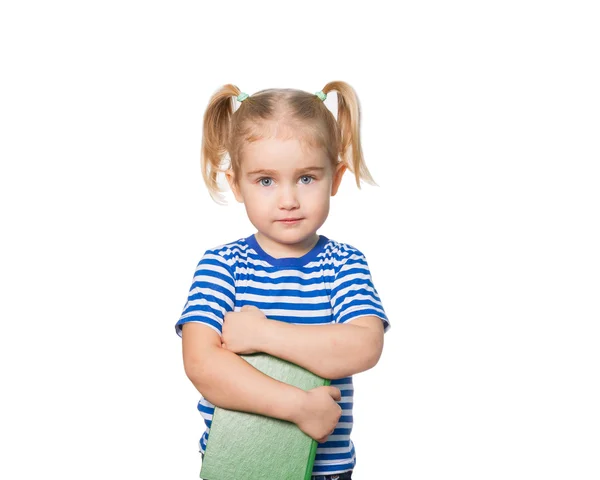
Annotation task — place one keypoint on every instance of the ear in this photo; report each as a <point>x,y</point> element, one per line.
<point>234,188</point>
<point>337,177</point>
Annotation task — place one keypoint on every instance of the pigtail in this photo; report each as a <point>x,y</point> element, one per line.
<point>349,124</point>
<point>215,137</point>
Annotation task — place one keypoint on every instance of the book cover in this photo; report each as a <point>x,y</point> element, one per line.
<point>248,446</point>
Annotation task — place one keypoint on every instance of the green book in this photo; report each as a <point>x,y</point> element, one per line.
<point>248,446</point>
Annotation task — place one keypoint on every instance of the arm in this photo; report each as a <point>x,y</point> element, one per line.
<point>228,381</point>
<point>353,343</point>
<point>330,351</point>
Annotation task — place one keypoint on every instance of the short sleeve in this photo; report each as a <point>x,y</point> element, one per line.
<point>211,295</point>
<point>353,294</point>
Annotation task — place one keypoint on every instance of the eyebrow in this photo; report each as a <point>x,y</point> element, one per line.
<point>274,172</point>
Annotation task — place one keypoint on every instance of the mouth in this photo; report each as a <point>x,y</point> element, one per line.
<point>290,220</point>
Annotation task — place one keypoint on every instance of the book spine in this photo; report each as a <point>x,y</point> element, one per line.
<point>311,460</point>
<point>313,447</point>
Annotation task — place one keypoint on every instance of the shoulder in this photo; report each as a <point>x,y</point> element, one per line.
<point>229,253</point>
<point>340,253</point>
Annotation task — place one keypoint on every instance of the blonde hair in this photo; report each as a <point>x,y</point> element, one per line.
<point>285,113</point>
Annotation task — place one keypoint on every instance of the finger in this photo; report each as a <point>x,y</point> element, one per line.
<point>335,393</point>
<point>246,308</point>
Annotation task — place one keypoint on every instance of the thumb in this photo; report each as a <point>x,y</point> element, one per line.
<point>335,393</point>
<point>247,308</point>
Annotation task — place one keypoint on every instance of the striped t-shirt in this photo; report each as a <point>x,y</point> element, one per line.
<point>329,284</point>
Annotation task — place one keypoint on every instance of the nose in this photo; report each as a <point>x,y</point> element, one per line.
<point>288,198</point>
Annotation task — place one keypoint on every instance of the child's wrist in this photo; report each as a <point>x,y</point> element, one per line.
<point>262,336</point>
<point>294,404</point>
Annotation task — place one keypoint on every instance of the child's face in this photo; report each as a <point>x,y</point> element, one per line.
<point>283,179</point>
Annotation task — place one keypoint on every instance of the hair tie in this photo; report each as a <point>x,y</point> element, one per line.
<point>242,96</point>
<point>321,95</point>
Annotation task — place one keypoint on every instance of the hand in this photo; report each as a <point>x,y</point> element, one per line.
<point>241,330</point>
<point>319,414</point>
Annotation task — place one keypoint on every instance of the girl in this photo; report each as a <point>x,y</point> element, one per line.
<point>283,154</point>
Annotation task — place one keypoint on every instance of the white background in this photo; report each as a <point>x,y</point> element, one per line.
<point>480,123</point>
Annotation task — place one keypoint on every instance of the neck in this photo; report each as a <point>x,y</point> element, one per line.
<point>284,250</point>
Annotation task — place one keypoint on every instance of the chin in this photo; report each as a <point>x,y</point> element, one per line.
<point>291,236</point>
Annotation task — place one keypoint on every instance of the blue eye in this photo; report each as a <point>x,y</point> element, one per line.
<point>310,179</point>
<point>262,180</point>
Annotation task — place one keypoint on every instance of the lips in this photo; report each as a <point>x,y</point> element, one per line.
<point>290,220</point>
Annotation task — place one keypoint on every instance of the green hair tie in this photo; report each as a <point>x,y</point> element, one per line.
<point>321,95</point>
<point>242,96</point>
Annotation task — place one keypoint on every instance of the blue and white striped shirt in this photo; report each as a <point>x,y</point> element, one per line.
<point>329,284</point>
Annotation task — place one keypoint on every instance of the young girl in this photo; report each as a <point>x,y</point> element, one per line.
<point>285,290</point>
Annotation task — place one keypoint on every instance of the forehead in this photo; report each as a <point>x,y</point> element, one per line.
<point>283,155</point>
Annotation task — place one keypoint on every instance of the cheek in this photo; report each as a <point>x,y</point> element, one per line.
<point>317,192</point>
<point>261,195</point>
<point>259,199</point>
<point>256,211</point>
